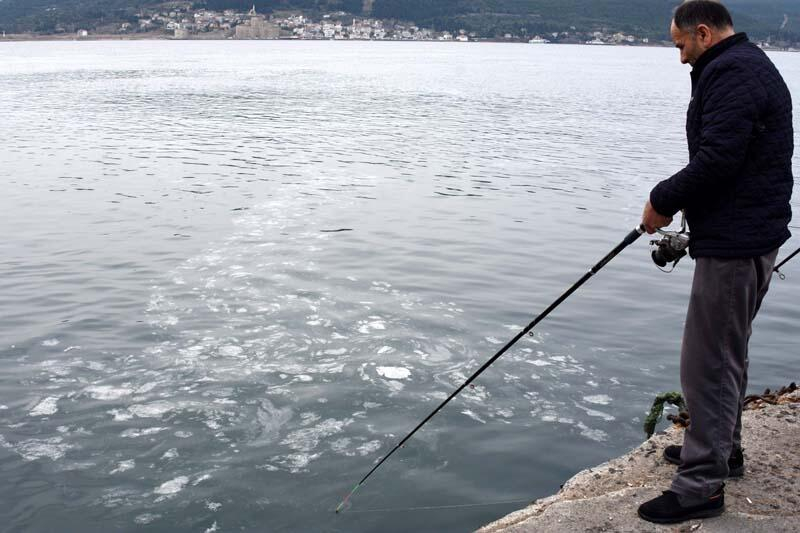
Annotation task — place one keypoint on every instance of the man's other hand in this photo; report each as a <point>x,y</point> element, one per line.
<point>652,219</point>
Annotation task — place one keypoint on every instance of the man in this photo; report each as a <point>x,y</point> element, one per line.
<point>735,193</point>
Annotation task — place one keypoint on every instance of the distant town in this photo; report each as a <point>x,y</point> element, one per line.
<point>181,21</point>
<point>184,23</point>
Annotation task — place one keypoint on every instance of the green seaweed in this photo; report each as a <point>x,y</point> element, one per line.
<point>673,398</point>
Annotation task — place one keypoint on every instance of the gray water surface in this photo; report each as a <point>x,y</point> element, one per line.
<point>234,274</point>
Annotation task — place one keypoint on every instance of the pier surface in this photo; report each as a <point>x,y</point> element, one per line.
<point>605,498</point>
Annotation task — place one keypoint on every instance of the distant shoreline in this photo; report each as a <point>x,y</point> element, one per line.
<point>158,36</point>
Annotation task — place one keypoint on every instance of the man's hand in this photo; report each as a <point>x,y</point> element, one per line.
<point>652,219</point>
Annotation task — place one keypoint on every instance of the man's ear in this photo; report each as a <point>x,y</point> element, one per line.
<point>705,34</point>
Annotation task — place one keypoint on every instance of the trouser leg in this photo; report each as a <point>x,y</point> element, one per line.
<point>764,266</point>
<point>725,297</point>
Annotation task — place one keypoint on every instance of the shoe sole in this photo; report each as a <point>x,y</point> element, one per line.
<point>734,472</point>
<point>706,513</point>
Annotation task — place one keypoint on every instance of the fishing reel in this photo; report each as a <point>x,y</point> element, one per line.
<point>671,247</point>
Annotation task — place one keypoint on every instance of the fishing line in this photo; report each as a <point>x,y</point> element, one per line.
<point>438,507</point>
<point>629,239</point>
<point>777,268</point>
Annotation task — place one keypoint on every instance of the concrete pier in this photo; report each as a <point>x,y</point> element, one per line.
<point>605,498</point>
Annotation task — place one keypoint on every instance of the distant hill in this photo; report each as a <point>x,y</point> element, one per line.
<point>487,18</point>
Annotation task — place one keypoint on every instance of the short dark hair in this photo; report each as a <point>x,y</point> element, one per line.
<point>692,13</point>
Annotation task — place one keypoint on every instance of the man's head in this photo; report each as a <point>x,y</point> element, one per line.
<point>697,26</point>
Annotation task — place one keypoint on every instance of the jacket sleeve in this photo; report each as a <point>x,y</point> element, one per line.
<point>730,111</point>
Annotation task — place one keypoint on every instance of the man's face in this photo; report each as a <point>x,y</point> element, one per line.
<point>690,43</point>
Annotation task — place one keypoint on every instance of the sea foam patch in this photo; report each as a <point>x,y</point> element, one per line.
<point>107,392</point>
<point>124,466</point>
<point>599,399</point>
<point>53,448</point>
<point>393,372</point>
<point>45,407</point>
<point>172,487</point>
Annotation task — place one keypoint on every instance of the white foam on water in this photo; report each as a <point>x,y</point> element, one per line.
<point>172,487</point>
<point>146,518</point>
<point>393,372</point>
<point>394,385</point>
<point>307,439</point>
<point>78,465</point>
<point>124,466</point>
<point>51,342</point>
<point>213,528</point>
<point>493,340</point>
<point>540,362</point>
<point>172,453</point>
<point>385,350</point>
<point>309,418</point>
<point>107,392</point>
<point>147,387</point>
<point>597,435</point>
<point>45,407</point>
<point>230,351</point>
<point>296,462</point>
<point>371,405</point>
<point>599,399</point>
<point>204,477</point>
<point>599,414</point>
<point>473,416</point>
<point>341,446</point>
<point>135,433</point>
<point>369,447</point>
<point>213,506</point>
<point>183,434</point>
<point>339,351</point>
<point>53,448</point>
<point>151,410</point>
<point>592,383</point>
<point>366,327</point>
<point>120,415</point>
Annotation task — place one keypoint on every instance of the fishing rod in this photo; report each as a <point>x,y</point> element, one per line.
<point>629,239</point>
<point>777,268</point>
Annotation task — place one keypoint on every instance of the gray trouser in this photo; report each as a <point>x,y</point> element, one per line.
<point>725,297</point>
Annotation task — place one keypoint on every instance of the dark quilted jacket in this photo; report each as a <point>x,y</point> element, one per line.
<point>738,183</point>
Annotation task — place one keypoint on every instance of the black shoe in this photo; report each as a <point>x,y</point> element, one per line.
<point>735,461</point>
<point>666,509</point>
